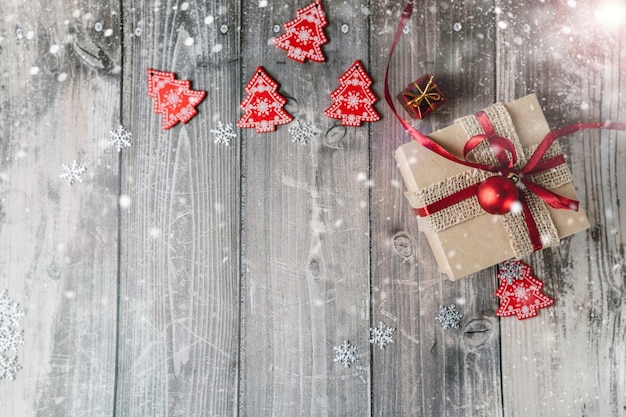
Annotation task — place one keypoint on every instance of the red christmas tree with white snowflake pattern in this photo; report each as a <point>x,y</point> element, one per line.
<point>304,35</point>
<point>173,99</point>
<point>353,99</point>
<point>519,291</point>
<point>263,106</point>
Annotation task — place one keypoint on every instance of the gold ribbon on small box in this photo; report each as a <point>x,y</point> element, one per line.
<point>424,95</point>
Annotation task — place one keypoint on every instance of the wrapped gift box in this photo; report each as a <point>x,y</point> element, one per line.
<point>422,97</point>
<point>464,238</point>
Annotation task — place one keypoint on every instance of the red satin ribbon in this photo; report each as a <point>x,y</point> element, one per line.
<point>500,146</point>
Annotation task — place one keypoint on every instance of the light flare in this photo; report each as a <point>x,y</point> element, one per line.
<point>611,14</point>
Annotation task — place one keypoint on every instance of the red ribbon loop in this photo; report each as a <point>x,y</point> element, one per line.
<point>498,146</point>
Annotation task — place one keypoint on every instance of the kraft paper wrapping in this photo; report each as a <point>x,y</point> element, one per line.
<point>482,241</point>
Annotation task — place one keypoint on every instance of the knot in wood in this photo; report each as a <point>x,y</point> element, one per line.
<point>54,272</point>
<point>403,245</point>
<point>315,268</point>
<point>334,135</point>
<point>477,333</point>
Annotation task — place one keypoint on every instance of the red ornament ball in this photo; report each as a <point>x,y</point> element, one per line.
<point>496,195</point>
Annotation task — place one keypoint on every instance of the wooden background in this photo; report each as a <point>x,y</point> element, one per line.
<point>187,278</point>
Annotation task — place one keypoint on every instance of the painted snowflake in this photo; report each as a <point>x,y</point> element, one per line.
<point>263,107</point>
<point>449,317</point>
<point>8,367</point>
<point>73,173</point>
<point>304,35</point>
<point>173,98</point>
<point>224,133</point>
<point>11,336</point>
<point>120,138</point>
<point>353,100</point>
<point>301,132</point>
<point>521,293</point>
<point>346,354</point>
<point>381,335</point>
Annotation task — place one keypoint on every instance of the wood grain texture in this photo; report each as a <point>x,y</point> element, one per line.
<point>430,371</point>
<point>570,361</point>
<point>58,243</point>
<point>305,222</point>
<point>180,233</point>
<point>189,278</point>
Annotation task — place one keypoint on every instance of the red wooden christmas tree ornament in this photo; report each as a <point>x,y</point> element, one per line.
<point>304,35</point>
<point>173,98</point>
<point>353,99</point>
<point>519,291</point>
<point>263,106</point>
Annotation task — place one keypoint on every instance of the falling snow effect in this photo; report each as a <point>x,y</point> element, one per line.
<point>120,138</point>
<point>449,317</point>
<point>381,335</point>
<point>346,354</point>
<point>11,335</point>
<point>301,132</point>
<point>73,173</point>
<point>224,133</point>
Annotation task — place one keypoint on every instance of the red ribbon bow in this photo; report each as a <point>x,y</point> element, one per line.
<point>503,150</point>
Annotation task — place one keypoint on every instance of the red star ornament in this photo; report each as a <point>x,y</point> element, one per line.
<point>304,35</point>
<point>519,291</point>
<point>263,106</point>
<point>353,99</point>
<point>173,99</point>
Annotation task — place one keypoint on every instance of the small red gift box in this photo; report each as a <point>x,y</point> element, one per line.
<point>422,97</point>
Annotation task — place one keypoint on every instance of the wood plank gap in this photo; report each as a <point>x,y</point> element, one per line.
<point>118,304</point>
<point>241,231</point>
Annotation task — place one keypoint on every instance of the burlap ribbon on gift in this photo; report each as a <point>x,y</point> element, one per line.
<point>514,222</point>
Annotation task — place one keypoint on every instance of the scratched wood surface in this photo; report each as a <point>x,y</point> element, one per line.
<point>305,234</point>
<point>188,278</point>
<point>59,243</point>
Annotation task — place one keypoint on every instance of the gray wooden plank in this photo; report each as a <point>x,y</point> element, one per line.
<point>180,231</point>
<point>571,360</point>
<point>59,242</point>
<point>429,371</point>
<point>305,220</point>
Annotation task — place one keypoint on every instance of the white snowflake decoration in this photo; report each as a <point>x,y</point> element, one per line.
<point>346,354</point>
<point>10,312</point>
<point>8,367</point>
<point>224,133</point>
<point>449,317</point>
<point>381,335</point>
<point>73,172</point>
<point>120,138</point>
<point>11,340</point>
<point>511,271</point>
<point>301,132</point>
<point>11,336</point>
